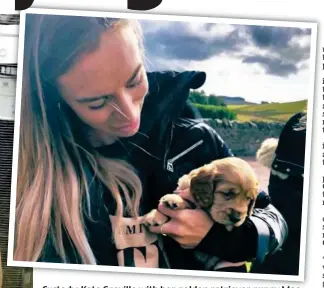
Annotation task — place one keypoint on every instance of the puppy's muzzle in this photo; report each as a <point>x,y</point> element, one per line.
<point>235,216</point>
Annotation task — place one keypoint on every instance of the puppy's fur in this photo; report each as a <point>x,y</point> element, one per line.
<point>225,188</point>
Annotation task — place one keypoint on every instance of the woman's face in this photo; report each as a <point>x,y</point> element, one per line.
<point>106,87</point>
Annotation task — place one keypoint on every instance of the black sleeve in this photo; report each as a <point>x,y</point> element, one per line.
<point>261,234</point>
<point>235,246</point>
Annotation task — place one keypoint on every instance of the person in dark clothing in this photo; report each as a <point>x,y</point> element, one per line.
<point>285,157</point>
<point>102,141</point>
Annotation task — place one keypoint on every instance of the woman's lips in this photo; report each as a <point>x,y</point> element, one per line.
<point>128,127</point>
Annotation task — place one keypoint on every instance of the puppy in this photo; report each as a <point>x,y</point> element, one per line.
<point>225,188</point>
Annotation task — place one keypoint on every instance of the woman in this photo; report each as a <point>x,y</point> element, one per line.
<point>100,144</point>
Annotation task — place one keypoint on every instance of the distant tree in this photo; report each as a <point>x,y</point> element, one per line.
<point>216,101</point>
<point>198,97</point>
<point>215,112</point>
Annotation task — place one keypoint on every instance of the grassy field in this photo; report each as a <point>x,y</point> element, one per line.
<point>279,112</point>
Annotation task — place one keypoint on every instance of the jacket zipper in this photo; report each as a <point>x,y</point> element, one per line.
<point>168,147</point>
<point>172,160</point>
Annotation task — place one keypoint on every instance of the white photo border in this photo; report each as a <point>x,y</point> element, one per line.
<point>142,16</point>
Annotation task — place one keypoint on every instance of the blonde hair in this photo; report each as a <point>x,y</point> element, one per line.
<point>53,183</point>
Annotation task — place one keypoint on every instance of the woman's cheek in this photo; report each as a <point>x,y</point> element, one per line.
<point>146,85</point>
<point>143,89</point>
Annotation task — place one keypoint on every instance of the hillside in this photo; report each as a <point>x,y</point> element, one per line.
<point>230,100</point>
<point>279,112</point>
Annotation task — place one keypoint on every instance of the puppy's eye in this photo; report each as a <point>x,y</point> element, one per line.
<point>228,195</point>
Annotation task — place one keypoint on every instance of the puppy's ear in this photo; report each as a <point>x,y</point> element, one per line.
<point>251,207</point>
<point>254,196</point>
<point>202,188</point>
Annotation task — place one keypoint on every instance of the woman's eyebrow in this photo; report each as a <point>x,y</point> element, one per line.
<point>95,98</point>
<point>130,80</point>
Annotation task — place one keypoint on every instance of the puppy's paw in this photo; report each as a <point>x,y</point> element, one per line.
<point>155,218</point>
<point>173,201</point>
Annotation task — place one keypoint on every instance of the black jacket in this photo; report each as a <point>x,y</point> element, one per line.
<point>171,146</point>
<point>287,195</point>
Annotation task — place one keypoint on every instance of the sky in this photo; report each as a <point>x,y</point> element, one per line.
<point>258,63</point>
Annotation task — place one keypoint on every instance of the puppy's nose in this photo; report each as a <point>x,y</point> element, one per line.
<point>235,216</point>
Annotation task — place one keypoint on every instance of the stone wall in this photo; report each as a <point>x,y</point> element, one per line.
<point>245,138</point>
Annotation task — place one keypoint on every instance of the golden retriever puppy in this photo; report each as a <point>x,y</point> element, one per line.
<point>225,188</point>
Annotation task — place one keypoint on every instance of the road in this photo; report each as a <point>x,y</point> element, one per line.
<point>262,172</point>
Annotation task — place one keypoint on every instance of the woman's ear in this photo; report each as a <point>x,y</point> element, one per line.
<point>202,188</point>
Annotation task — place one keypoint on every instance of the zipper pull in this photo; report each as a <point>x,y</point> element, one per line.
<point>172,160</point>
<point>170,166</point>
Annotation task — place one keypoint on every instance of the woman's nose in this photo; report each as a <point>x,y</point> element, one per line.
<point>126,107</point>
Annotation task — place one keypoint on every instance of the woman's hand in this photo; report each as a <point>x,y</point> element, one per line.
<point>188,226</point>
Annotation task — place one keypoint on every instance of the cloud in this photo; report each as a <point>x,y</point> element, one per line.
<point>273,66</point>
<point>278,37</point>
<point>285,49</point>
<point>279,50</point>
<point>183,41</point>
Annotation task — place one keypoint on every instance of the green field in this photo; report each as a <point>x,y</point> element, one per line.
<point>278,112</point>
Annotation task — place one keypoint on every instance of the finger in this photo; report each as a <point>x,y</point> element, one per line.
<point>169,228</point>
<point>156,229</point>
<point>168,211</point>
<point>186,194</point>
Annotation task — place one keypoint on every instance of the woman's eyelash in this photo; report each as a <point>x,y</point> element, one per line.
<point>96,107</point>
<point>132,85</point>
<point>105,99</point>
